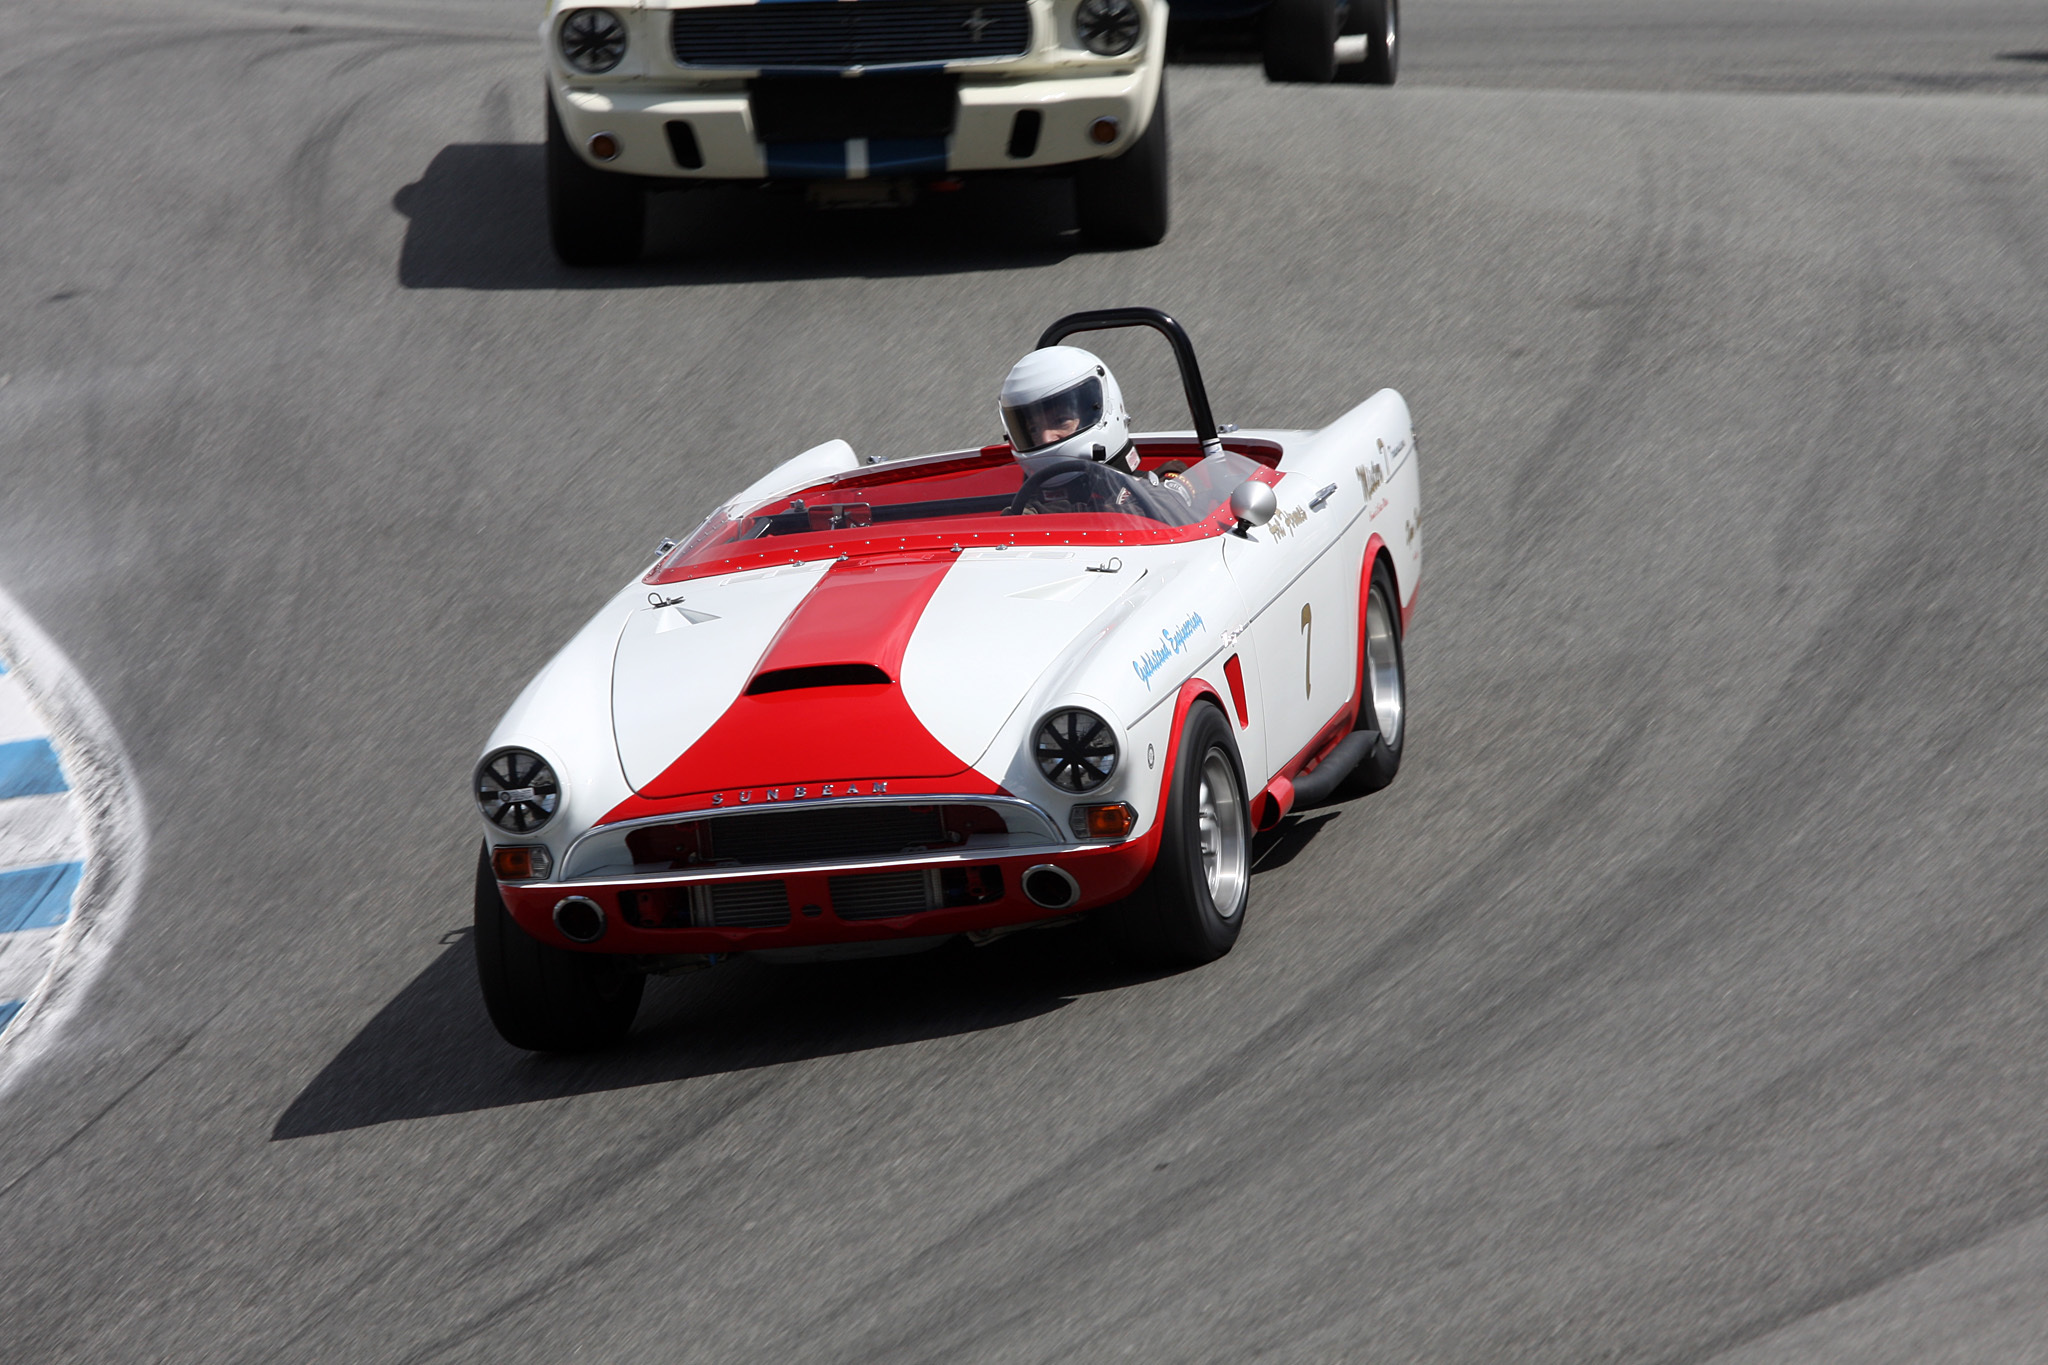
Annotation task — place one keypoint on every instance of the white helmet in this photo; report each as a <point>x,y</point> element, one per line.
<point>1064,401</point>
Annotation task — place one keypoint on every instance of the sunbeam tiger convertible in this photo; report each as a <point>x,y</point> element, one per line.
<point>868,706</point>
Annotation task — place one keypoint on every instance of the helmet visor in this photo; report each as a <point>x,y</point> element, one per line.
<point>1053,418</point>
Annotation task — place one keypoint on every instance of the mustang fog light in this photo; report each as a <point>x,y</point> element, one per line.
<point>1075,749</point>
<point>1108,28</point>
<point>604,146</point>
<point>594,40</point>
<point>516,863</point>
<point>516,790</point>
<point>1103,130</point>
<point>1102,822</point>
<point>580,919</point>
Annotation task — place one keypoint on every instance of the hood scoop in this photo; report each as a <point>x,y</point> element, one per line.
<point>817,675</point>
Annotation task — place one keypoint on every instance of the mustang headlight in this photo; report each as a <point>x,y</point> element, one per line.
<point>594,40</point>
<point>1108,28</point>
<point>516,790</point>
<point>1075,749</point>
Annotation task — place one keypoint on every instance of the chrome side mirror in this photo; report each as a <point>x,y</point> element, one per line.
<point>1253,504</point>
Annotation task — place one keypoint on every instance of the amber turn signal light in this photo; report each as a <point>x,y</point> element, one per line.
<point>517,864</point>
<point>1103,130</point>
<point>604,146</point>
<point>1103,822</point>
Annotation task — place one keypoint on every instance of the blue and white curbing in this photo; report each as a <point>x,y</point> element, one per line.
<point>42,856</point>
<point>71,839</point>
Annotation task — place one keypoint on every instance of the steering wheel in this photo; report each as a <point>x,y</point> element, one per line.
<point>1037,479</point>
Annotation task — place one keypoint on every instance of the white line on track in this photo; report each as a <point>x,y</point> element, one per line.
<point>108,819</point>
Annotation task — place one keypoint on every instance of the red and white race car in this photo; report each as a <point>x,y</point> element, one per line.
<point>870,705</point>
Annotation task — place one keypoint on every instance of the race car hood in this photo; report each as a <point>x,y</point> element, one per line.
<point>854,670</point>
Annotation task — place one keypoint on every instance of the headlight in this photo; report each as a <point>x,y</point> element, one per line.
<point>594,40</point>
<point>1108,28</point>
<point>517,790</point>
<point>1075,749</point>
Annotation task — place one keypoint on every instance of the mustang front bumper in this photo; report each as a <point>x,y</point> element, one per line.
<point>987,136</point>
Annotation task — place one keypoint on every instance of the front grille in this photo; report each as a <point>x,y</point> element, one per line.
<point>747,905</point>
<point>817,834</point>
<point>842,33</point>
<point>882,895</point>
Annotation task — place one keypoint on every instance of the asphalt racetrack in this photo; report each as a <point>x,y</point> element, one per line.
<point>1682,1002</point>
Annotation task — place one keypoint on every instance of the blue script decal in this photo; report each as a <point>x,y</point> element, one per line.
<point>1171,642</point>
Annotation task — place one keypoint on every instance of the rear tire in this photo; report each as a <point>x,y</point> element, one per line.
<point>1384,677</point>
<point>1299,41</point>
<point>1381,21</point>
<point>1124,201</point>
<point>1191,908</point>
<point>544,998</point>
<point>594,217</point>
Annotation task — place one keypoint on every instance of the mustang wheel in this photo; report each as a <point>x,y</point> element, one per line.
<point>1123,201</point>
<point>544,998</point>
<point>1299,40</point>
<point>1380,22</point>
<point>594,217</point>
<point>1384,707</point>
<point>1190,909</point>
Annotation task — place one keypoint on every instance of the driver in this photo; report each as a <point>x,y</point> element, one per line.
<point>1063,401</point>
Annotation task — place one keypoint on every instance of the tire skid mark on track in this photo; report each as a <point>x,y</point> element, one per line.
<point>592,1194</point>
<point>1021,1210</point>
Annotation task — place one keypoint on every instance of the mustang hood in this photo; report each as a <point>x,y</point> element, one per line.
<point>853,670</point>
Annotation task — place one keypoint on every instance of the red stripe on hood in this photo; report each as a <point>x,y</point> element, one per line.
<point>861,612</point>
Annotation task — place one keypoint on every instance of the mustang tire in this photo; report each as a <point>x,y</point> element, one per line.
<point>1191,907</point>
<point>594,217</point>
<point>1380,21</point>
<point>1299,40</point>
<point>544,998</point>
<point>1384,705</point>
<point>1123,201</point>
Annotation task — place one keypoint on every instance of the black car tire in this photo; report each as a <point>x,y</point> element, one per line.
<point>544,998</point>
<point>1381,21</point>
<point>1299,40</point>
<point>1124,200</point>
<point>1173,920</point>
<point>1378,768</point>
<point>594,217</point>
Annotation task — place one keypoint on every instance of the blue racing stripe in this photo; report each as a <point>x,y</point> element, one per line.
<point>29,767</point>
<point>906,155</point>
<point>806,160</point>
<point>37,897</point>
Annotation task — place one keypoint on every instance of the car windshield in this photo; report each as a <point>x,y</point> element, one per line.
<point>999,495</point>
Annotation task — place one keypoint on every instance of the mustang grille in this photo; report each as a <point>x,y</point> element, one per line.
<point>848,33</point>
<point>882,895</point>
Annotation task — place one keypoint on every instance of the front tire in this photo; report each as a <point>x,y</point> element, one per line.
<point>1299,41</point>
<point>544,998</point>
<point>1383,674</point>
<point>594,217</point>
<point>1191,908</point>
<point>1380,21</point>
<point>1124,200</point>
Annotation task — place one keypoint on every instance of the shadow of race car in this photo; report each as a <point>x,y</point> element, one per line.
<point>868,706</point>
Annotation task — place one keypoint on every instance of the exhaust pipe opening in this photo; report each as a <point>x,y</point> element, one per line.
<point>1050,886</point>
<point>580,919</point>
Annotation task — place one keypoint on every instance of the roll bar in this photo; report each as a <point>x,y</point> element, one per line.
<point>1104,319</point>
